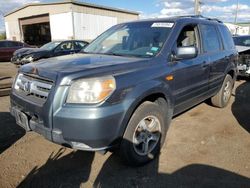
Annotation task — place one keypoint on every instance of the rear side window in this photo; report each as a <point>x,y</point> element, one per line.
<point>3,44</point>
<point>210,38</point>
<point>227,38</point>
<point>13,44</point>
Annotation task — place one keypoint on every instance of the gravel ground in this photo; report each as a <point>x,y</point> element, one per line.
<point>205,147</point>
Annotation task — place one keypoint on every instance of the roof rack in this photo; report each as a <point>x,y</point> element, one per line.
<point>201,17</point>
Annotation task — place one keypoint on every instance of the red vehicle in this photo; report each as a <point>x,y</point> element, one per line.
<point>7,48</point>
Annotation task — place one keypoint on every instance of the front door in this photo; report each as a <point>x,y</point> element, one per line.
<point>191,75</point>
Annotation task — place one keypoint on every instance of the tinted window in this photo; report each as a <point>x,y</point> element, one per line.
<point>50,45</point>
<point>20,44</point>
<point>3,44</point>
<point>14,44</point>
<point>79,45</point>
<point>227,37</point>
<point>210,39</point>
<point>242,41</point>
<point>65,46</point>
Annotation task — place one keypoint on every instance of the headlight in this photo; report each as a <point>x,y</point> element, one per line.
<point>93,90</point>
<point>29,58</point>
<point>18,81</point>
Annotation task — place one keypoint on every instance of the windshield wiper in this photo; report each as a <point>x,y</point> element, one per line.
<point>113,53</point>
<point>116,54</point>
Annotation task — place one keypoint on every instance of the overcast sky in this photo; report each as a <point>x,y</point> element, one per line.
<point>222,9</point>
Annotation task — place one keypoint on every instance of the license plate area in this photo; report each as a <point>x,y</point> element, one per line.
<point>21,119</point>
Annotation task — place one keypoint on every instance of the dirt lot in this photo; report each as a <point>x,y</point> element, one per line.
<point>7,72</point>
<point>205,147</point>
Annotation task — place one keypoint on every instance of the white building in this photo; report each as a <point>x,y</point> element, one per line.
<point>42,22</point>
<point>237,29</point>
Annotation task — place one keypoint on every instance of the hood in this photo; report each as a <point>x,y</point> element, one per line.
<point>242,48</point>
<point>81,65</point>
<point>27,51</point>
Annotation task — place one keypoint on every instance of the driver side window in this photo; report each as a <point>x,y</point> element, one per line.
<point>65,46</point>
<point>188,37</point>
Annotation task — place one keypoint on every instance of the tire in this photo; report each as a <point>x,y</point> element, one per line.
<point>222,98</point>
<point>147,127</point>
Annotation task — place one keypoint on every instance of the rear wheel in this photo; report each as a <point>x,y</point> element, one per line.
<point>145,134</point>
<point>221,99</point>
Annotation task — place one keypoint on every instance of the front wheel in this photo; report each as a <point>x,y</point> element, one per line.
<point>145,134</point>
<point>221,99</point>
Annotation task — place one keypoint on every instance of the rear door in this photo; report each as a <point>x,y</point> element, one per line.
<point>190,75</point>
<point>214,50</point>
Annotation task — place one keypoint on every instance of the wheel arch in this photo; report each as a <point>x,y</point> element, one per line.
<point>232,74</point>
<point>153,95</point>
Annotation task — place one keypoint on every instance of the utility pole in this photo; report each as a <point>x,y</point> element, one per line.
<point>197,9</point>
<point>236,12</point>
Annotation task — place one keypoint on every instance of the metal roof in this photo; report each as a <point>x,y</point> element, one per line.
<point>74,3</point>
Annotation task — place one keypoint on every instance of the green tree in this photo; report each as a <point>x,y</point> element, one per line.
<point>2,36</point>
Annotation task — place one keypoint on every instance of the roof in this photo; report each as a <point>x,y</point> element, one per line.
<point>74,3</point>
<point>181,18</point>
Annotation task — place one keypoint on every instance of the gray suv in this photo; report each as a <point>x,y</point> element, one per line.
<point>122,91</point>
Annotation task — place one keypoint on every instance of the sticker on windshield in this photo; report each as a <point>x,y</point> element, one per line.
<point>155,49</point>
<point>162,24</point>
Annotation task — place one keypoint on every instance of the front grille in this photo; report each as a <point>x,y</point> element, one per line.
<point>33,87</point>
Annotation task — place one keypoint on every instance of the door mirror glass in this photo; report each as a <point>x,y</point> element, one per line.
<point>186,52</point>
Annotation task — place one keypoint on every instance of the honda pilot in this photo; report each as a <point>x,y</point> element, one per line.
<point>121,92</point>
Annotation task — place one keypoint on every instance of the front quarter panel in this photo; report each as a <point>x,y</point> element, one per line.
<point>138,87</point>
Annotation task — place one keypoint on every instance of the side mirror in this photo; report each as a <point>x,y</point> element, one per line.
<point>187,52</point>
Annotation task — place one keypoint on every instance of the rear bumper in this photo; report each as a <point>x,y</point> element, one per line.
<point>79,127</point>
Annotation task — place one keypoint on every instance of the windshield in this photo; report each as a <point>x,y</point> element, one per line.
<point>242,41</point>
<point>50,45</point>
<point>143,39</point>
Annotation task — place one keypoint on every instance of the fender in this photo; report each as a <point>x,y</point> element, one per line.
<point>138,94</point>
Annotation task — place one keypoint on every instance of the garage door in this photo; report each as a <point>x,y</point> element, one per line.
<point>36,29</point>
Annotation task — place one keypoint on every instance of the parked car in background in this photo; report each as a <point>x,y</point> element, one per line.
<point>51,49</point>
<point>243,47</point>
<point>123,92</point>
<point>8,47</point>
